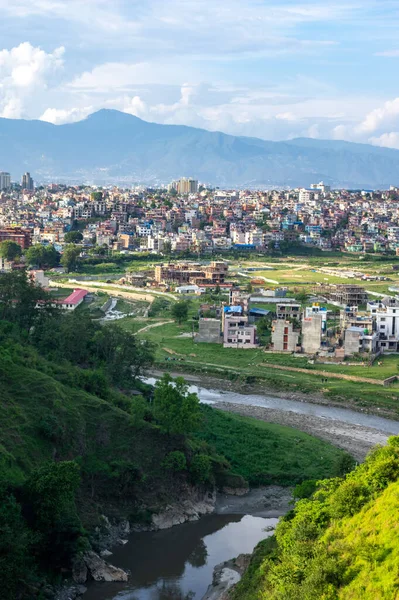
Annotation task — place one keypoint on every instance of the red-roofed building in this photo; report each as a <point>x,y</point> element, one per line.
<point>74,299</point>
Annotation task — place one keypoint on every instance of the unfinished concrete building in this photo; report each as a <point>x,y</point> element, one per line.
<point>343,293</point>
<point>358,339</point>
<point>284,336</point>
<point>209,331</point>
<point>311,333</point>
<point>193,273</point>
<point>288,310</point>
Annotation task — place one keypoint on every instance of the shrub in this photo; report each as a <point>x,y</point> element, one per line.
<point>175,461</point>
<point>201,468</point>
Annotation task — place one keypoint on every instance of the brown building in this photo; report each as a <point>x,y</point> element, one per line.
<point>193,273</point>
<point>20,236</point>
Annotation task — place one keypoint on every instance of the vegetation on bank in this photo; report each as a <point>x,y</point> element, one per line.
<point>339,544</point>
<point>81,436</point>
<point>269,454</point>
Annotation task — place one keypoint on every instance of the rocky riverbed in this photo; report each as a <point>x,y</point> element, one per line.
<point>355,439</point>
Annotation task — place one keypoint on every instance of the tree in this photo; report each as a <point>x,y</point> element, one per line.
<point>73,237</point>
<point>10,250</point>
<point>175,408</point>
<point>69,258</point>
<point>167,248</point>
<point>96,196</point>
<point>16,561</point>
<point>19,298</point>
<point>42,256</point>
<point>51,492</point>
<point>180,311</point>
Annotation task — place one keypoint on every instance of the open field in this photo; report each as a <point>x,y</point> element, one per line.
<point>174,344</point>
<point>175,347</point>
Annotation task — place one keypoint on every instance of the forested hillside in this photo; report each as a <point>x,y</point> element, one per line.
<point>81,436</point>
<point>340,544</point>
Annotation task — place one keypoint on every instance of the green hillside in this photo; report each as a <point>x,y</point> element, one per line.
<point>81,437</point>
<point>341,544</point>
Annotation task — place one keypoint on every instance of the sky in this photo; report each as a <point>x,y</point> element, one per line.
<point>275,69</point>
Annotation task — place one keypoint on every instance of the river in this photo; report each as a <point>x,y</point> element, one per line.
<point>178,563</point>
<point>344,415</point>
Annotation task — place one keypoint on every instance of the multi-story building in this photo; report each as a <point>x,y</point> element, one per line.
<point>27,182</point>
<point>20,236</point>
<point>181,273</point>
<point>238,333</point>
<point>386,315</point>
<point>311,333</point>
<point>288,310</point>
<point>285,337</point>
<point>184,186</point>
<point>5,180</point>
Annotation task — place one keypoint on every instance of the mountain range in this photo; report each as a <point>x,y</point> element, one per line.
<point>112,147</point>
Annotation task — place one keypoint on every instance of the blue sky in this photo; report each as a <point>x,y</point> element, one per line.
<point>267,68</point>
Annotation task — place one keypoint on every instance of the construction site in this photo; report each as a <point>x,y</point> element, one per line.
<point>342,293</point>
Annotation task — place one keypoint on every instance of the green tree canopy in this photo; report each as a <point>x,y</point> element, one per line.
<point>19,297</point>
<point>42,256</point>
<point>70,257</point>
<point>73,237</point>
<point>10,250</point>
<point>175,408</point>
<point>96,196</point>
<point>180,311</point>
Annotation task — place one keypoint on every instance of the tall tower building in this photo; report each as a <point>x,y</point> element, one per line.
<point>5,180</point>
<point>187,186</point>
<point>27,182</point>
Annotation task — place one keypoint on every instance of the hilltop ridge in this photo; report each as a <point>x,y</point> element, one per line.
<point>112,147</point>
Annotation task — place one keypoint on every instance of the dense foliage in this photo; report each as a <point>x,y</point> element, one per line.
<point>340,544</point>
<point>10,250</point>
<point>82,436</point>
<point>269,454</point>
<point>42,256</point>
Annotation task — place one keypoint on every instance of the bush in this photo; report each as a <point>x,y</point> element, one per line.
<point>175,461</point>
<point>201,468</point>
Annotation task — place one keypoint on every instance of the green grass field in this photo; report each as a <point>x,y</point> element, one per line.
<point>267,454</point>
<point>173,350</point>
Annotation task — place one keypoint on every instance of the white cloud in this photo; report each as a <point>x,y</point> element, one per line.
<point>389,140</point>
<point>114,76</point>
<point>388,53</point>
<point>25,71</point>
<point>58,116</point>
<point>381,118</point>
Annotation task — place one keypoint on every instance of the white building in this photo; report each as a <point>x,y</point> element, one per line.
<point>386,314</point>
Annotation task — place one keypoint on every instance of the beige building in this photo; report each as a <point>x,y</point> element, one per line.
<point>284,337</point>
<point>311,333</point>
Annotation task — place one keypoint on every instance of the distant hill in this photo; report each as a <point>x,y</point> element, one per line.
<point>114,147</point>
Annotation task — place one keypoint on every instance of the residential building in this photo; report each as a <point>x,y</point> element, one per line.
<point>288,310</point>
<point>311,333</point>
<point>285,337</point>
<point>27,182</point>
<point>5,181</point>
<point>238,333</point>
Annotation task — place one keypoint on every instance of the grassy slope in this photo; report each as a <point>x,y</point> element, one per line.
<point>342,545</point>
<point>265,453</point>
<point>42,418</point>
<point>81,425</point>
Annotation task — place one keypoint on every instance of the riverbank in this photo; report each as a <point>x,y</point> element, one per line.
<point>355,432</point>
<point>257,387</point>
<point>234,528</point>
<point>357,440</point>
